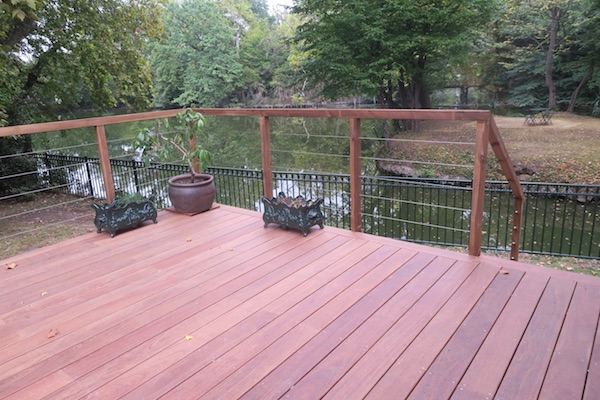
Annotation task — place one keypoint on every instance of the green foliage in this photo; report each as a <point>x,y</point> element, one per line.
<point>125,198</point>
<point>19,9</point>
<point>182,140</point>
<point>260,8</point>
<point>385,47</point>
<point>75,53</point>
<point>197,62</point>
<point>18,172</point>
<point>217,53</point>
<point>524,40</point>
<point>263,52</point>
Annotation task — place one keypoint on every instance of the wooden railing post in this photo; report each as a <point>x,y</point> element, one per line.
<point>355,176</point>
<point>515,186</point>
<point>478,195</point>
<point>107,176</point>
<point>265,143</point>
<point>516,231</point>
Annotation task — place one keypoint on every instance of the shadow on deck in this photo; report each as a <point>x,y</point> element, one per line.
<point>216,306</point>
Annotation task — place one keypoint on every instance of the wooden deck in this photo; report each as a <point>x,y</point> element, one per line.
<point>216,306</point>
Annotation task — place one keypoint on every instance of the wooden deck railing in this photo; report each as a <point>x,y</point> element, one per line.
<point>486,133</point>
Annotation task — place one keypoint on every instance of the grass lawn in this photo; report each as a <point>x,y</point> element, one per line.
<point>565,151</point>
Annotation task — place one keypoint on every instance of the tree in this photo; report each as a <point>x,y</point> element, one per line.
<point>550,50</point>
<point>57,55</point>
<point>197,62</point>
<point>261,49</point>
<point>263,54</point>
<point>584,52</point>
<point>385,47</point>
<point>289,79</point>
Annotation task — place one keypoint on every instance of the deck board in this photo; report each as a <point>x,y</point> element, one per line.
<point>566,374</point>
<point>216,306</point>
<point>483,377</point>
<point>452,362</point>
<point>526,372</point>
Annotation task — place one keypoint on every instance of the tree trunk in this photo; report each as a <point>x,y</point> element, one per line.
<point>464,94</point>
<point>581,85</point>
<point>425,98</point>
<point>18,31</point>
<point>421,98</point>
<point>554,24</point>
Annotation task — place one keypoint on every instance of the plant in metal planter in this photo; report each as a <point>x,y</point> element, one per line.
<point>295,213</point>
<point>190,193</point>
<point>124,212</point>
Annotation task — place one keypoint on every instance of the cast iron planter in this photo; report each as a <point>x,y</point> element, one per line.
<point>295,213</point>
<point>116,216</point>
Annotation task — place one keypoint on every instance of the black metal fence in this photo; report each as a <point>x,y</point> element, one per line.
<point>558,219</point>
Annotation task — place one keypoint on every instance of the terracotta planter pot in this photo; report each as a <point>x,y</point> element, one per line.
<point>192,197</point>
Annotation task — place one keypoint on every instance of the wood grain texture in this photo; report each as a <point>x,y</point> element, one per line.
<point>216,306</point>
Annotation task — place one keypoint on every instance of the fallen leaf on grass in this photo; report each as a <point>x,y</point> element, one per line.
<point>570,268</point>
<point>53,332</point>
<point>11,266</point>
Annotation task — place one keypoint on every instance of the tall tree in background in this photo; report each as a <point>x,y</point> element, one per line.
<point>197,63</point>
<point>583,57</point>
<point>58,55</point>
<point>385,47</point>
<point>261,48</point>
<point>550,51</point>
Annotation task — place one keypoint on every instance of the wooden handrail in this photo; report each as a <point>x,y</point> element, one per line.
<point>487,133</point>
<point>449,115</point>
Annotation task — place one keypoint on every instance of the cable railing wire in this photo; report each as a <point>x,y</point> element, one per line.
<point>395,160</point>
<point>417,203</point>
<point>420,141</point>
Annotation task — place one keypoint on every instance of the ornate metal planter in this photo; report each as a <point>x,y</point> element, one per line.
<point>296,213</point>
<point>116,216</point>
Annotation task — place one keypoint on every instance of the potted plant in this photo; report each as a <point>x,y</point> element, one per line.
<point>189,193</point>
<point>125,212</point>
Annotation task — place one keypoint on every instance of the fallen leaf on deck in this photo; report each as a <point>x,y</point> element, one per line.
<point>188,240</point>
<point>11,266</point>
<point>504,272</point>
<point>44,293</point>
<point>53,332</point>
<point>188,337</point>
